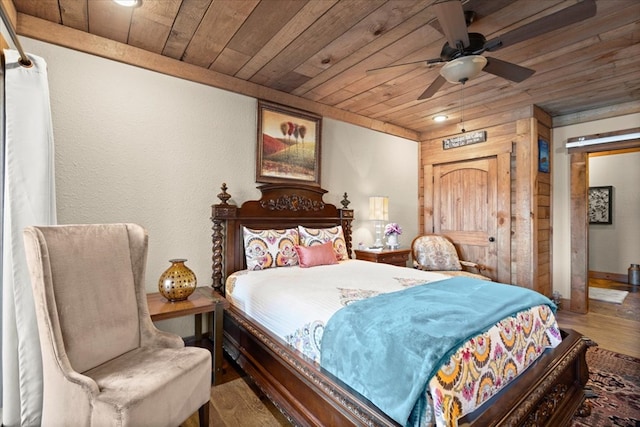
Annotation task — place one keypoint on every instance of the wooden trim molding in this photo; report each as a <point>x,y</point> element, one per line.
<point>12,14</point>
<point>630,107</point>
<point>616,277</point>
<point>579,233</point>
<point>10,8</point>
<point>50,32</point>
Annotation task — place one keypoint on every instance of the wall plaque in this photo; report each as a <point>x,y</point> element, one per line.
<point>465,139</point>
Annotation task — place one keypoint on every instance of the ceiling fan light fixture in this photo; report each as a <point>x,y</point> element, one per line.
<point>464,68</point>
<point>129,3</point>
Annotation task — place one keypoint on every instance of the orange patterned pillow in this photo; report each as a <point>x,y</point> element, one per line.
<point>270,248</point>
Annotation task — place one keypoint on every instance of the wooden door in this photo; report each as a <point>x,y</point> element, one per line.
<point>465,206</point>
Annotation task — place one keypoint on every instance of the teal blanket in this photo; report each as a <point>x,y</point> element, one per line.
<point>389,346</point>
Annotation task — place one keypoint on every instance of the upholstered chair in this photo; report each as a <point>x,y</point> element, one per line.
<point>437,253</point>
<point>104,362</point>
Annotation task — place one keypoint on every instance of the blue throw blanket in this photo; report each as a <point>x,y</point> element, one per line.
<point>389,346</point>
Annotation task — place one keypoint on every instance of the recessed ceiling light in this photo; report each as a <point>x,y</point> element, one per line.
<point>440,118</point>
<point>129,3</point>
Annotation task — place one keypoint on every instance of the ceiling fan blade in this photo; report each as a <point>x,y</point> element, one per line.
<point>433,88</point>
<point>570,15</point>
<point>507,70</point>
<point>451,18</point>
<point>424,62</point>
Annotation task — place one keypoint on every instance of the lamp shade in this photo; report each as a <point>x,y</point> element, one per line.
<point>379,208</point>
<point>464,68</point>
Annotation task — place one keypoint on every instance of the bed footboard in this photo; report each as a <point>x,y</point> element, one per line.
<point>304,393</point>
<point>548,393</point>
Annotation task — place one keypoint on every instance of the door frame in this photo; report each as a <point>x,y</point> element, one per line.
<point>579,188</point>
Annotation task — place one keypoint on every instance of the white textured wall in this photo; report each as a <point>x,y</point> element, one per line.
<point>613,247</point>
<point>561,192</point>
<point>137,146</point>
<point>374,164</point>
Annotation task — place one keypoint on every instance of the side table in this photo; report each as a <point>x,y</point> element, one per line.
<point>202,300</point>
<point>397,257</point>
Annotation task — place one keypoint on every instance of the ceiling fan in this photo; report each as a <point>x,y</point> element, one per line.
<point>462,53</point>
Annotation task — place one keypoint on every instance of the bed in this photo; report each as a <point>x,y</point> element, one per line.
<point>548,392</point>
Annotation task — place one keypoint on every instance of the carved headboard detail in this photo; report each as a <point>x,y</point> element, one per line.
<point>280,206</point>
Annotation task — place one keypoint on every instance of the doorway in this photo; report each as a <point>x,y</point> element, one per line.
<point>579,186</point>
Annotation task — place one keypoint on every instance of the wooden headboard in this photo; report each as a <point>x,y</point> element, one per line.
<point>280,206</point>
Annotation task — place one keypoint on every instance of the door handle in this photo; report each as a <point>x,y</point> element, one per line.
<point>492,239</point>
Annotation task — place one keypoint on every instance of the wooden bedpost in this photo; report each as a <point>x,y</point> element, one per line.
<point>221,214</point>
<point>346,217</point>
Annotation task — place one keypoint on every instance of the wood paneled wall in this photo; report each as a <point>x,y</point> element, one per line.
<point>525,252</point>
<point>542,194</point>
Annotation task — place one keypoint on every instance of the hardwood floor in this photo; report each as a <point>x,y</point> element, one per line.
<point>237,402</point>
<point>615,327</point>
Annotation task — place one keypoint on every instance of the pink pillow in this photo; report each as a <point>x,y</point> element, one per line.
<point>312,256</point>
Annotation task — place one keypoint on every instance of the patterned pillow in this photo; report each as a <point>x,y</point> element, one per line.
<point>436,253</point>
<point>270,248</point>
<point>318,236</point>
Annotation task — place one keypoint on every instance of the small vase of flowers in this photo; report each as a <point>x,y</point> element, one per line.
<point>392,231</point>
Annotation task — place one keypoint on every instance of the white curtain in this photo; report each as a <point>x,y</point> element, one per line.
<point>29,199</point>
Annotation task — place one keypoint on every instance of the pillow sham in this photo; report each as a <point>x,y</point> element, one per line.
<point>270,248</point>
<point>318,236</point>
<point>312,256</point>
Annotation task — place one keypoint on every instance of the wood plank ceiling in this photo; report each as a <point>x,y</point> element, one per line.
<point>320,50</point>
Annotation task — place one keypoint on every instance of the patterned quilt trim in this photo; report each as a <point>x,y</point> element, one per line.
<point>489,361</point>
<point>471,376</point>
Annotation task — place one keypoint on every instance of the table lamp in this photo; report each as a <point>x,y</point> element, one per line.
<point>378,212</point>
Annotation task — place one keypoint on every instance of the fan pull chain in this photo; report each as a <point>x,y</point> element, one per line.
<point>462,107</point>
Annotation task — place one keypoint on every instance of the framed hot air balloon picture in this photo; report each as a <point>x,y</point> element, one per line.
<point>288,145</point>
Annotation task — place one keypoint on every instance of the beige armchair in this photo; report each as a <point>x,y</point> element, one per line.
<point>437,253</point>
<point>104,362</point>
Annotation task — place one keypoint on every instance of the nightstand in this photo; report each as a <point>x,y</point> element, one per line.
<point>203,300</point>
<point>397,257</point>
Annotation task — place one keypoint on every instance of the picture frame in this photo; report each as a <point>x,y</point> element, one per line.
<point>289,143</point>
<point>543,156</point>
<point>601,205</point>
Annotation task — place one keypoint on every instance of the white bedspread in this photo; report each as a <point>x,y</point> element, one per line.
<point>303,305</point>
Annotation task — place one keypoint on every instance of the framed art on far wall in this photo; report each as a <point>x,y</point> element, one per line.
<point>288,145</point>
<point>601,205</point>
